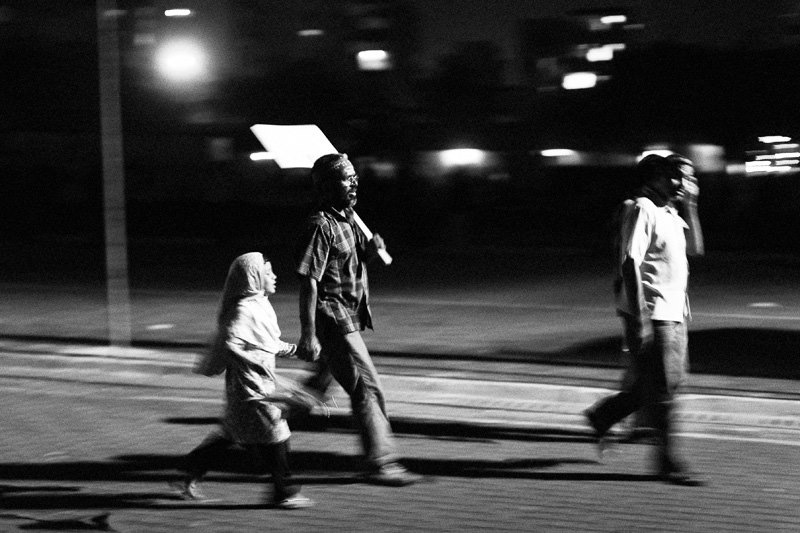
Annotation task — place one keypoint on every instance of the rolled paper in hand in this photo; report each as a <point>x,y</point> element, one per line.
<point>382,253</point>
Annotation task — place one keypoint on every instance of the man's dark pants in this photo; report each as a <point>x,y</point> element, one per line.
<point>657,373</point>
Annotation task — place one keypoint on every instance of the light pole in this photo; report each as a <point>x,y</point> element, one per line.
<point>116,243</point>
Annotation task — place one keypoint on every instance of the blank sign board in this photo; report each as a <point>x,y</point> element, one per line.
<point>295,146</point>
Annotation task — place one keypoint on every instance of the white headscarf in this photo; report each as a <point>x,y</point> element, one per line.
<point>245,312</point>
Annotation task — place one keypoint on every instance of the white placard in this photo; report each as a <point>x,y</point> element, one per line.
<point>295,146</point>
<point>298,146</point>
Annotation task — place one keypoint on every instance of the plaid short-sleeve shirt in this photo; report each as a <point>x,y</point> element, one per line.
<point>332,252</point>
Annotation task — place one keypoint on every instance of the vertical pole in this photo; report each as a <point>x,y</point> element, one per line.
<point>116,244</point>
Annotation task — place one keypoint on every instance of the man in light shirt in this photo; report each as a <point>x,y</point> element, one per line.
<point>651,297</point>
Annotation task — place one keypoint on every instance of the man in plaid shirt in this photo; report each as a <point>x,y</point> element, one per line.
<point>334,309</point>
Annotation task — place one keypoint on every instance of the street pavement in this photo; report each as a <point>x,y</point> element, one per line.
<point>485,382</point>
<point>92,431</point>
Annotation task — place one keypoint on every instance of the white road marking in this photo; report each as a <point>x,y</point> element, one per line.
<point>174,399</point>
<point>558,307</point>
<point>731,438</point>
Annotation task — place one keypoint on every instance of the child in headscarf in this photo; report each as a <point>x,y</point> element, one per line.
<point>245,347</point>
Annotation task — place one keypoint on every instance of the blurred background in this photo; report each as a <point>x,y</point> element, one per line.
<point>126,154</point>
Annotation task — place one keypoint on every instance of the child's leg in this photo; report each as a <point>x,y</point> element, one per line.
<point>206,455</point>
<point>198,462</point>
<point>276,457</point>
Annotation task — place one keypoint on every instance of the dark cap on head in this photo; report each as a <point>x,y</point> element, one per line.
<point>680,160</point>
<point>654,167</point>
<point>326,167</point>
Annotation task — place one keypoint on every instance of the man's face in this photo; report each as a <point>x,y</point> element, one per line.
<point>342,186</point>
<point>665,189</point>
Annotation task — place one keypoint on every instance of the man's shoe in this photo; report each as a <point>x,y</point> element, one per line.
<point>188,489</point>
<point>682,478</point>
<point>599,435</point>
<point>674,473</point>
<point>298,501</point>
<point>393,475</point>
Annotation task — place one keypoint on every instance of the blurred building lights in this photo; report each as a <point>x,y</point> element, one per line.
<point>599,53</point>
<point>374,60</point>
<point>604,52</point>
<point>772,169</point>
<point>181,61</point>
<point>565,157</point>
<point>579,80</point>
<point>311,32</point>
<point>178,13</point>
<point>557,152</point>
<point>460,157</point>
<point>144,39</point>
<point>781,155</point>
<point>614,19</point>
<point>706,157</point>
<point>108,13</point>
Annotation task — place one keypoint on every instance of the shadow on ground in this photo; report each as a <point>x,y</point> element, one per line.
<point>436,429</point>
<point>64,485</point>
<point>311,468</point>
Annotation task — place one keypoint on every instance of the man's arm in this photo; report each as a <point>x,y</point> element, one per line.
<point>632,279</point>
<point>308,345</point>
<point>688,211</point>
<point>694,235</point>
<point>634,240</point>
<point>374,247</point>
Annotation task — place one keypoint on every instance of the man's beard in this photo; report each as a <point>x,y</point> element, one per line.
<point>345,202</point>
<point>657,196</point>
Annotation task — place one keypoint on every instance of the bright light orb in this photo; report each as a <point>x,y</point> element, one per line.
<point>181,61</point>
<point>557,152</point>
<point>458,157</point>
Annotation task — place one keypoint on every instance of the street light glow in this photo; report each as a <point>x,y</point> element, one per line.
<point>181,61</point>
<point>462,157</point>
<point>557,152</point>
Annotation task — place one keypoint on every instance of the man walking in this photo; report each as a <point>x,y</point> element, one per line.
<point>334,309</point>
<point>651,295</point>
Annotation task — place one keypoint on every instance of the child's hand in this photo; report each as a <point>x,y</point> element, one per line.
<point>290,351</point>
